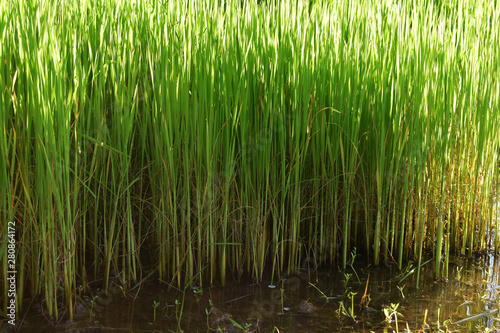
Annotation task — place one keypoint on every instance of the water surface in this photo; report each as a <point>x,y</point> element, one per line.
<point>361,298</point>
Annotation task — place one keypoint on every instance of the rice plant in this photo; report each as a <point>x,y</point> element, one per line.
<point>243,136</point>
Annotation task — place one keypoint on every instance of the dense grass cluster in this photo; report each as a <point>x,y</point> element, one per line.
<point>179,137</point>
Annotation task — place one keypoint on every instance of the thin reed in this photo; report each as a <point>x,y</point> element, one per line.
<point>243,136</point>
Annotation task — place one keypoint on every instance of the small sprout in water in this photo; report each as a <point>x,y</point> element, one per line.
<point>155,305</point>
<point>401,290</point>
<point>391,313</point>
<point>245,328</point>
<point>197,290</point>
<point>351,263</point>
<point>92,304</point>
<point>347,276</point>
<point>341,310</point>
<point>351,308</point>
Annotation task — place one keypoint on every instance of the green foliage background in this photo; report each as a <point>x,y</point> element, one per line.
<point>170,136</point>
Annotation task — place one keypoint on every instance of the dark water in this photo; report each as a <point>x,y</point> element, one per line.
<point>326,300</point>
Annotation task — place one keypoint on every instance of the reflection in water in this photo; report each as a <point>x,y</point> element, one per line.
<point>321,301</point>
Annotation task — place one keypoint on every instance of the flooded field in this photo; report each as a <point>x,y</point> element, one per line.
<point>361,298</point>
<point>145,139</point>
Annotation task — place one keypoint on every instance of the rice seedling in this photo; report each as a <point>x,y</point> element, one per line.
<point>155,305</point>
<point>391,314</point>
<point>143,136</point>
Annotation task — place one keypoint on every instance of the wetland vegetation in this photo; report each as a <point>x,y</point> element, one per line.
<point>195,143</point>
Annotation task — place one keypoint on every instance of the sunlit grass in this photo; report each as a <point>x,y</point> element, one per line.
<point>169,136</point>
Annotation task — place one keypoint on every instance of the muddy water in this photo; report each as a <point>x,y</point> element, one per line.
<point>359,299</point>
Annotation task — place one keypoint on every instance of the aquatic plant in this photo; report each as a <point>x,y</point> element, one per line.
<point>391,314</point>
<point>243,136</point>
<point>347,312</point>
<point>155,305</point>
